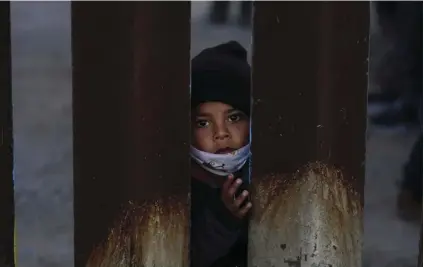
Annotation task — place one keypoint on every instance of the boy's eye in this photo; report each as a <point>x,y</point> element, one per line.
<point>202,123</point>
<point>234,117</point>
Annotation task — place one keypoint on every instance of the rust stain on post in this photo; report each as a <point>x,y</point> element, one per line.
<point>311,218</point>
<point>155,233</point>
<point>308,138</point>
<point>131,105</point>
<point>7,212</point>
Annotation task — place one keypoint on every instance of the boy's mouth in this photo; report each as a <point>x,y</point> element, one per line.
<point>227,150</point>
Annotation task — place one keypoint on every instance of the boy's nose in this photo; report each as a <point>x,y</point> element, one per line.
<point>221,134</point>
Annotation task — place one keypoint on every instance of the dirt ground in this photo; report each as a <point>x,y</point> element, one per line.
<point>43,144</point>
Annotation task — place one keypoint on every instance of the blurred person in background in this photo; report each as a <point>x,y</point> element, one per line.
<point>400,74</point>
<point>402,92</point>
<point>220,10</point>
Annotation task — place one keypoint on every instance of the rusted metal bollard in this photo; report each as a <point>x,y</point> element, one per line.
<point>420,256</point>
<point>7,211</point>
<point>310,66</point>
<point>131,107</point>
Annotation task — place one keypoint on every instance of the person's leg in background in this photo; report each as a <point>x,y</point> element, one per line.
<point>386,13</point>
<point>410,196</point>
<point>219,12</point>
<point>402,23</point>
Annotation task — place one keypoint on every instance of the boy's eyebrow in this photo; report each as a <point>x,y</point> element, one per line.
<point>202,114</point>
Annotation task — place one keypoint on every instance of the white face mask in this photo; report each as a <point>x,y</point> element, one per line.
<point>221,164</point>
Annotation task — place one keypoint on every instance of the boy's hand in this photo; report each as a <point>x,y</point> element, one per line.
<point>233,204</point>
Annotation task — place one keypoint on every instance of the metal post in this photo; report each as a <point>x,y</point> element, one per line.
<point>131,63</point>
<point>420,251</point>
<point>7,211</point>
<point>310,63</point>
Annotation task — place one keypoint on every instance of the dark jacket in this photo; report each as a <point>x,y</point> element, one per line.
<point>217,238</point>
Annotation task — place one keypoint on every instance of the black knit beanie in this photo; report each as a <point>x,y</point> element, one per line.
<point>221,74</point>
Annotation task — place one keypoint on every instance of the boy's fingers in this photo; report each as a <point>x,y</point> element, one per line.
<point>245,209</point>
<point>241,198</point>
<point>233,188</point>
<point>227,183</point>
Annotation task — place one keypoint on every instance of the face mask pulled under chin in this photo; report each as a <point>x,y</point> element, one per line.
<point>221,164</point>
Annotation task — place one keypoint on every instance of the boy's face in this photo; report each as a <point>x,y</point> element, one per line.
<point>219,128</point>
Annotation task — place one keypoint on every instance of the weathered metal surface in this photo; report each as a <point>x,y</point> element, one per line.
<point>310,64</point>
<point>420,256</point>
<point>6,142</point>
<point>131,65</point>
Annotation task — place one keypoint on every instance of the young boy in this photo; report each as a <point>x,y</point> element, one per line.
<point>220,153</point>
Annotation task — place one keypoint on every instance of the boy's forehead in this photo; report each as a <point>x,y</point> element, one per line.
<point>210,108</point>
